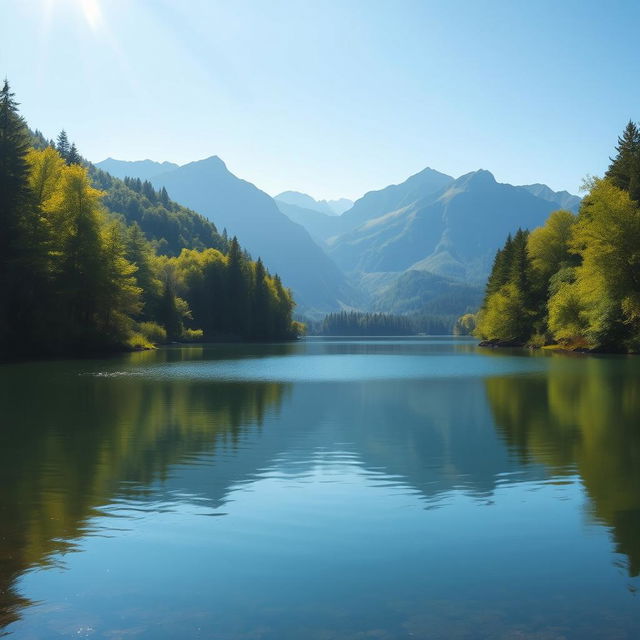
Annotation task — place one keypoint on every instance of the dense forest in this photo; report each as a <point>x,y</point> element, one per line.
<point>575,281</point>
<point>355,323</point>
<point>90,263</point>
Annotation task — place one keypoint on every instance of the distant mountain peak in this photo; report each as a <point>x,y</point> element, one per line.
<point>143,169</point>
<point>328,207</point>
<point>563,199</point>
<point>477,178</point>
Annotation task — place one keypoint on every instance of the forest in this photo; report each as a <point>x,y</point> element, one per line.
<point>355,323</point>
<point>89,263</point>
<point>575,281</point>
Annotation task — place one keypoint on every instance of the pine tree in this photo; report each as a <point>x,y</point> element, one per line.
<point>73,157</point>
<point>237,291</point>
<point>140,253</point>
<point>62,145</point>
<point>624,170</point>
<point>149,192</point>
<point>21,249</point>
<point>260,312</point>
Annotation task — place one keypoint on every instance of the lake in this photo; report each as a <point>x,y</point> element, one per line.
<point>348,489</point>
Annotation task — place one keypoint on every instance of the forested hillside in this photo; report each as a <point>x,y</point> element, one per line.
<point>78,278</point>
<point>576,280</point>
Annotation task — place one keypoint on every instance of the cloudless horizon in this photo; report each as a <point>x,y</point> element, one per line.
<point>333,99</point>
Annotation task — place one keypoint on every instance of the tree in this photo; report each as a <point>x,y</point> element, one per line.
<point>139,252</point>
<point>260,310</point>
<point>624,170</point>
<point>73,157</point>
<point>22,252</point>
<point>607,236</point>
<point>62,145</point>
<point>549,246</point>
<point>237,298</point>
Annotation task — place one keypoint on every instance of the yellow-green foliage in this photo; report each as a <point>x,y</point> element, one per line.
<point>465,325</point>
<point>585,272</point>
<point>503,315</point>
<point>192,335</point>
<point>153,332</point>
<point>567,313</point>
<point>549,246</point>
<point>138,341</point>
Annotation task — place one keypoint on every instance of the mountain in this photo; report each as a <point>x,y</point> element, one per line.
<point>377,203</point>
<point>319,225</point>
<point>143,169</point>
<point>328,207</point>
<point>563,199</point>
<point>427,293</point>
<point>209,188</point>
<point>340,205</point>
<point>454,233</point>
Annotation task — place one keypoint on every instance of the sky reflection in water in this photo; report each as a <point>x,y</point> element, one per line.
<point>326,489</point>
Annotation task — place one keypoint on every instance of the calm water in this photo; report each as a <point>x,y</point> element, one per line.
<point>370,489</point>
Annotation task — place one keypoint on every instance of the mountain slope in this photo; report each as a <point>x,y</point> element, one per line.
<point>376,203</point>
<point>427,293</point>
<point>207,186</point>
<point>143,169</point>
<point>454,233</point>
<point>319,225</point>
<point>328,207</point>
<point>563,199</point>
<point>169,226</point>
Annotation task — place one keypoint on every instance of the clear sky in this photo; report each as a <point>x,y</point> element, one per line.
<point>333,98</point>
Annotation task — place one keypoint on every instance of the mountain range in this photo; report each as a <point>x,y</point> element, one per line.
<point>330,207</point>
<point>425,245</point>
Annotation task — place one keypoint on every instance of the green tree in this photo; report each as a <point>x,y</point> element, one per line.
<point>624,170</point>
<point>549,246</point>
<point>62,145</point>
<point>73,157</point>
<point>22,249</point>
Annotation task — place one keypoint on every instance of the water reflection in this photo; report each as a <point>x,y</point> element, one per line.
<point>584,418</point>
<point>460,485</point>
<point>71,444</point>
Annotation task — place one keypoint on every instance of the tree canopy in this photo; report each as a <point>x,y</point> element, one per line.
<point>577,278</point>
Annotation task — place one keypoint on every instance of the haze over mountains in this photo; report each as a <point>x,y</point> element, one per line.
<point>425,245</point>
<point>330,207</point>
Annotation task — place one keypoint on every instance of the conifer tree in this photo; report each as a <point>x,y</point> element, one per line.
<point>624,170</point>
<point>73,157</point>
<point>22,252</point>
<point>62,145</point>
<point>260,311</point>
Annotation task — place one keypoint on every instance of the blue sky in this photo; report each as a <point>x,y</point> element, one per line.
<point>333,98</point>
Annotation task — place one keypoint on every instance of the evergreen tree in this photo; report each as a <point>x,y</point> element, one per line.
<point>260,311</point>
<point>237,291</point>
<point>73,157</point>
<point>140,253</point>
<point>62,145</point>
<point>149,192</point>
<point>22,251</point>
<point>624,170</point>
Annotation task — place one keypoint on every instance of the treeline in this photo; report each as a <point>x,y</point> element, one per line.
<point>576,280</point>
<point>76,278</point>
<point>355,323</point>
<point>168,225</point>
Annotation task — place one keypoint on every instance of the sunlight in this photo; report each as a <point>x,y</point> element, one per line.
<point>90,9</point>
<point>92,12</point>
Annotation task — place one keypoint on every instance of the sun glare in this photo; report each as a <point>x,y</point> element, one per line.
<point>91,11</point>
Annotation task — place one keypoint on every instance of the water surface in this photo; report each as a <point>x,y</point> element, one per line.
<point>407,488</point>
